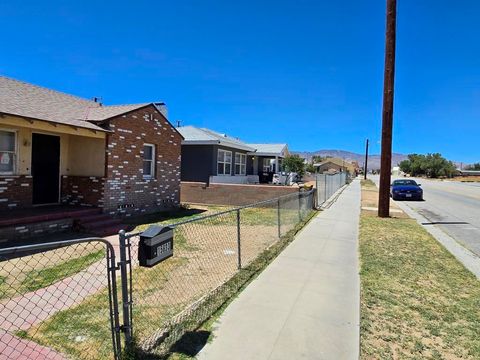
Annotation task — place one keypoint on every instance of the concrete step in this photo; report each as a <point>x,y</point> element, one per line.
<point>40,215</point>
<point>92,218</point>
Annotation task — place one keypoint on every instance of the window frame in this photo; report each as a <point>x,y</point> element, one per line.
<point>224,162</point>
<point>267,168</point>
<point>244,164</point>
<point>14,152</point>
<point>152,161</point>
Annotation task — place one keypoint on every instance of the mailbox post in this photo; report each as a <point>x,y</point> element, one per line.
<point>156,245</point>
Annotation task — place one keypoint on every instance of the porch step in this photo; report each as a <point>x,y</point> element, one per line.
<point>42,215</point>
<point>92,218</point>
<point>99,224</point>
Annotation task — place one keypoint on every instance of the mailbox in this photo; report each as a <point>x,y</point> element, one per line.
<point>156,245</point>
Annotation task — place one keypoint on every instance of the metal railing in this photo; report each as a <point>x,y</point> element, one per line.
<point>90,298</point>
<point>329,184</point>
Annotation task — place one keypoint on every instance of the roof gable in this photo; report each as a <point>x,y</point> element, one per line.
<point>35,102</point>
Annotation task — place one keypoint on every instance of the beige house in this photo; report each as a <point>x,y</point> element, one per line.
<point>334,165</point>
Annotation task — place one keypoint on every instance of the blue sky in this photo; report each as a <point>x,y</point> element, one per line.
<point>309,73</point>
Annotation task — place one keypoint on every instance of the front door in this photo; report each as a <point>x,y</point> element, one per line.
<point>45,168</point>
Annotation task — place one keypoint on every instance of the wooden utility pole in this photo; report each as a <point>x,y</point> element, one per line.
<point>365,164</point>
<point>387,116</point>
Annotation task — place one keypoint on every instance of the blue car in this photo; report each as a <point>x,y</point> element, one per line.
<point>406,190</point>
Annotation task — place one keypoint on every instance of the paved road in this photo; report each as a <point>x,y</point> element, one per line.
<point>454,207</point>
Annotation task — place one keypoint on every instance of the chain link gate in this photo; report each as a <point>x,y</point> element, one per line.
<point>59,300</point>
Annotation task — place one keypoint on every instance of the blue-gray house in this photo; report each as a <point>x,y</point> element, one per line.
<point>212,157</point>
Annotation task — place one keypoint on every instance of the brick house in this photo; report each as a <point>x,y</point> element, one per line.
<point>60,149</point>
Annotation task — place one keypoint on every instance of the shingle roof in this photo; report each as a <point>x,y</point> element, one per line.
<point>194,135</point>
<point>36,102</point>
<point>273,149</point>
<point>105,112</point>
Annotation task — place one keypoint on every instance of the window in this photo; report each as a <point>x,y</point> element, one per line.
<point>224,162</point>
<point>267,165</point>
<point>148,161</point>
<point>7,151</point>
<point>240,164</point>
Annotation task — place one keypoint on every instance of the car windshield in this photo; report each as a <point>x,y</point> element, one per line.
<point>404,182</point>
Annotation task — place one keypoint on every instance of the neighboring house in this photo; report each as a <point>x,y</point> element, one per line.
<point>57,148</point>
<point>267,160</point>
<point>212,157</point>
<point>334,165</point>
<point>208,156</point>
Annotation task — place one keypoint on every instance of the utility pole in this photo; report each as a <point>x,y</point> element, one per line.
<point>365,165</point>
<point>387,116</point>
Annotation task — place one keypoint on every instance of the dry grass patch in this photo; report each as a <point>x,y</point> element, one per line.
<point>418,301</point>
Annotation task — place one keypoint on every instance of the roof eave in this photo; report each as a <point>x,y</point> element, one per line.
<point>200,142</point>
<point>95,128</point>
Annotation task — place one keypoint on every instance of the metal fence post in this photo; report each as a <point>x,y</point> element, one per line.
<point>278,219</point>
<point>126,327</point>
<point>239,248</point>
<point>325,191</point>
<point>299,206</point>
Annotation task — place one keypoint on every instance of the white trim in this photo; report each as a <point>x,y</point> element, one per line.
<point>217,142</point>
<point>152,162</point>
<point>224,162</point>
<point>244,164</point>
<point>15,152</point>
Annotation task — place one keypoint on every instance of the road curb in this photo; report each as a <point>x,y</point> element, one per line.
<point>462,254</point>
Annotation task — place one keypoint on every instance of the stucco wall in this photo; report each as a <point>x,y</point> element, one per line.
<point>85,157</point>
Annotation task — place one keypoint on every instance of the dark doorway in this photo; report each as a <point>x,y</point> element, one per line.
<point>45,168</point>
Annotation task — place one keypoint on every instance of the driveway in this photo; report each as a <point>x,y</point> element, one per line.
<point>452,206</point>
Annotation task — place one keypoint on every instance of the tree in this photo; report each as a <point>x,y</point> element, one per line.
<point>294,163</point>
<point>406,166</point>
<point>310,168</point>
<point>317,159</point>
<point>431,165</point>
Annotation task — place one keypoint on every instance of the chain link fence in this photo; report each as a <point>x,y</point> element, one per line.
<point>90,298</point>
<point>56,303</point>
<point>214,257</point>
<point>328,184</point>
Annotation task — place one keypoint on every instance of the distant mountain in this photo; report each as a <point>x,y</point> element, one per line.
<point>373,160</point>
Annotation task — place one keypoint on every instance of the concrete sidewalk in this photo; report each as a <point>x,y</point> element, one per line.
<point>306,304</point>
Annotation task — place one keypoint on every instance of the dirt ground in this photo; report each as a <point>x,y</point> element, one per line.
<point>370,202</point>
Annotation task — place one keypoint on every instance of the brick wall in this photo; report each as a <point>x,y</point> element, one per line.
<point>15,192</point>
<point>126,191</point>
<point>231,194</point>
<point>82,190</point>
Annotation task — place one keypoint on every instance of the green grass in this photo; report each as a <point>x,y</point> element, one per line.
<point>417,300</point>
<point>3,287</point>
<point>14,285</point>
<point>38,279</point>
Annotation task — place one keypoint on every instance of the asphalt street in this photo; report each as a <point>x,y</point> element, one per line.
<point>454,207</point>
